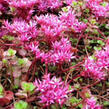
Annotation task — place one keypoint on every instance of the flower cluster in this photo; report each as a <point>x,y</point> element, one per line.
<point>48,4</point>
<point>22,8</point>
<point>95,67</point>
<point>56,36</point>
<point>90,103</point>
<point>50,26</point>
<point>3,6</point>
<point>21,3</point>
<point>21,28</point>
<point>92,69</point>
<point>48,29</point>
<point>71,23</point>
<point>61,52</point>
<point>99,8</point>
<point>52,90</point>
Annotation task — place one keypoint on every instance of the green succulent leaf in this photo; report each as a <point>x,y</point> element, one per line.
<point>11,52</point>
<point>74,101</point>
<point>97,48</point>
<point>21,105</point>
<point>1,91</point>
<point>27,87</point>
<point>21,61</point>
<point>100,42</point>
<point>106,103</point>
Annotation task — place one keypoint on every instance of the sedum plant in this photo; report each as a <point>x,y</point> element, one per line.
<point>69,39</point>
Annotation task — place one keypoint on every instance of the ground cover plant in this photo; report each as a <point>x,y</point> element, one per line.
<point>54,54</point>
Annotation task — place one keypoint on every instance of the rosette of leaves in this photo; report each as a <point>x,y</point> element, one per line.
<point>27,89</point>
<point>21,105</point>
<point>11,52</point>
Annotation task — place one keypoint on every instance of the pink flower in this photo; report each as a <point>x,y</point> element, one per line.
<point>96,67</point>
<point>24,37</point>
<point>98,9</point>
<point>23,8</point>
<point>52,90</point>
<point>61,57</point>
<point>48,4</point>
<point>69,20</point>
<point>50,27</point>
<point>34,48</point>
<point>60,53</point>
<point>21,3</point>
<point>21,28</point>
<point>93,70</point>
<point>90,103</point>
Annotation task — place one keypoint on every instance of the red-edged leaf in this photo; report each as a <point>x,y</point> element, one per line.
<point>7,98</point>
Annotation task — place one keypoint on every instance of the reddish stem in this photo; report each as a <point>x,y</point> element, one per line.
<point>64,70</point>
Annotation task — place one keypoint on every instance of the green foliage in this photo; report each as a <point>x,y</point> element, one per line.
<point>4,61</point>
<point>93,21</point>
<point>53,107</point>
<point>93,41</point>
<point>93,57</point>
<point>80,3</point>
<point>36,73</point>
<point>74,41</point>
<point>97,42</point>
<point>74,3</point>
<point>107,83</point>
<point>77,86</point>
<point>87,95</point>
<point>100,42</point>
<point>15,87</point>
<point>102,26</point>
<point>87,30</point>
<point>70,87</point>
<point>52,68</point>
<point>106,33</point>
<point>1,91</point>
<point>89,48</point>
<point>104,4</point>
<point>73,63</point>
<point>11,52</point>
<point>81,79</point>
<point>56,107</point>
<point>21,61</point>
<point>12,9</point>
<point>64,107</point>
<point>106,103</point>
<point>85,20</point>
<point>99,85</point>
<point>74,101</point>
<point>65,9</point>
<point>97,48</point>
<point>95,32</point>
<point>35,107</point>
<point>9,38</point>
<point>21,105</point>
<point>107,27</point>
<point>86,10</point>
<point>27,87</point>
